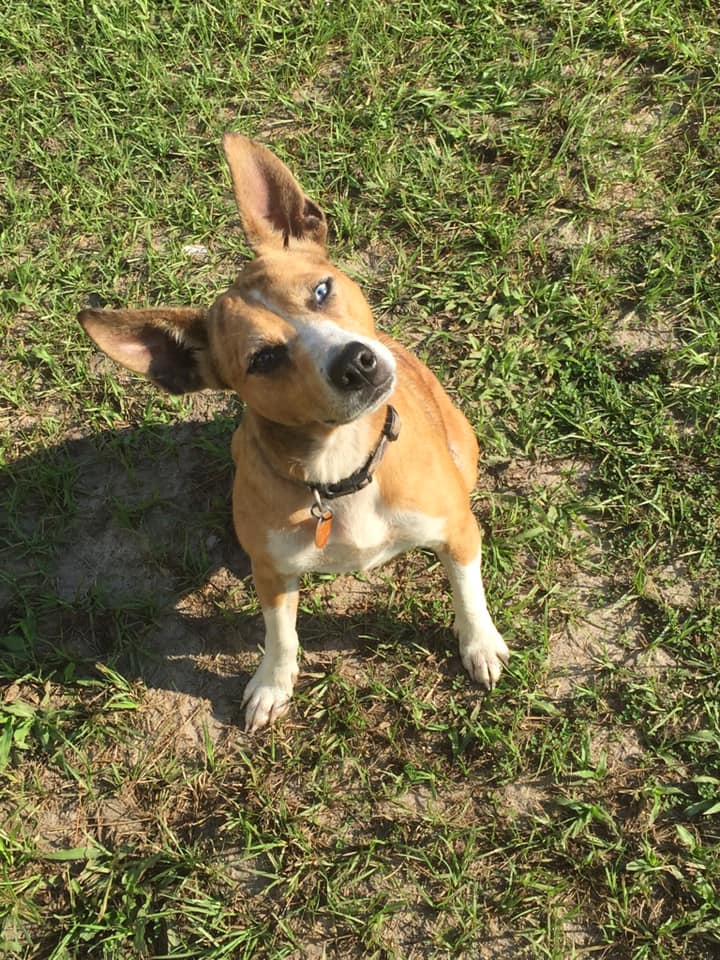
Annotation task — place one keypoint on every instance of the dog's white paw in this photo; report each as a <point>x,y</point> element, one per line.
<point>483,653</point>
<point>267,695</point>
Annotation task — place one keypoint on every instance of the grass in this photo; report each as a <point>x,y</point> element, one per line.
<point>529,195</point>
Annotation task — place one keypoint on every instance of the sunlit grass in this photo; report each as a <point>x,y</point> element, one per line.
<point>528,193</point>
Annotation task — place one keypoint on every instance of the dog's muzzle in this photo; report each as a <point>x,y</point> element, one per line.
<point>358,368</point>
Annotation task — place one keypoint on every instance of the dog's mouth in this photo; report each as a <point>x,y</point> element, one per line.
<point>362,402</point>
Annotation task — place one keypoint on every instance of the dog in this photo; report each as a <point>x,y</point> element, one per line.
<point>349,451</point>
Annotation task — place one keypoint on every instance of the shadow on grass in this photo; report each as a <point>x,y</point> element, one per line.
<point>118,549</point>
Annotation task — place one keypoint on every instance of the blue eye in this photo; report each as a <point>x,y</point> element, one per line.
<point>322,291</point>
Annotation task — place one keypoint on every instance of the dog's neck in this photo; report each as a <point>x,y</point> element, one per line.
<point>315,452</point>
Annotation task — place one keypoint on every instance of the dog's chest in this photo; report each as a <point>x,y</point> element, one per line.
<point>365,533</point>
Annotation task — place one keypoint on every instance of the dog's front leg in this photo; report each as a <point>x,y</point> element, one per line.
<point>267,695</point>
<point>482,650</point>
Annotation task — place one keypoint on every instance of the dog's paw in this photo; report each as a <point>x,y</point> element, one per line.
<point>483,654</point>
<point>267,695</point>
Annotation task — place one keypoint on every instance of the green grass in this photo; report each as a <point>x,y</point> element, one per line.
<point>529,194</point>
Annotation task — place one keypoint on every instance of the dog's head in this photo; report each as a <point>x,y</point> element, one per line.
<point>293,335</point>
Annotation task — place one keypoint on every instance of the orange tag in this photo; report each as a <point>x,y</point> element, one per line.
<point>323,528</point>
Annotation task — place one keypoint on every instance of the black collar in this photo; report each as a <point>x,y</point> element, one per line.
<point>362,477</point>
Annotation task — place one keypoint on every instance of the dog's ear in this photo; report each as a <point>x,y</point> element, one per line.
<point>274,210</point>
<point>167,344</point>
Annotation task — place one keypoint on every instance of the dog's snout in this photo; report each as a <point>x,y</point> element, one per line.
<point>356,367</point>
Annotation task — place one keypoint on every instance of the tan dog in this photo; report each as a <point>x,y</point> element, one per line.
<point>349,451</point>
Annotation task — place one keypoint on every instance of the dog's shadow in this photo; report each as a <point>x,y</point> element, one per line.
<point>118,550</point>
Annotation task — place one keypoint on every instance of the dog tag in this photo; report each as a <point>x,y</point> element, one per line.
<point>323,528</point>
<point>324,517</point>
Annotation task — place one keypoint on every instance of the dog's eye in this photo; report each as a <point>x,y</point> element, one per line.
<point>322,291</point>
<point>268,359</point>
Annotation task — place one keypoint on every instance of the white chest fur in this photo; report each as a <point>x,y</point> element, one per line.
<point>365,533</point>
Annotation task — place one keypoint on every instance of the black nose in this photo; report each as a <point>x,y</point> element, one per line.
<point>355,367</point>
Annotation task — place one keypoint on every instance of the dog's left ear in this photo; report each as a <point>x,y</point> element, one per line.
<point>274,210</point>
<point>167,344</point>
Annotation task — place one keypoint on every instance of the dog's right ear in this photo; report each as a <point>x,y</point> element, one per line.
<point>274,210</point>
<point>167,344</point>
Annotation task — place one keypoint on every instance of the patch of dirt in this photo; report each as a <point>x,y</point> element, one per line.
<point>412,933</point>
<point>644,120</point>
<point>118,819</point>
<point>57,818</point>
<point>672,584</point>
<point>373,263</point>
<point>567,235</point>
<point>409,932</point>
<point>620,196</point>
<point>618,747</point>
<point>654,662</point>
<point>582,937</point>
<point>597,635</point>
<point>522,475</point>
<point>453,806</point>
<point>635,334</point>
<point>314,950</point>
<point>183,720</point>
<point>527,798</point>
<point>498,944</point>
<point>351,593</point>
